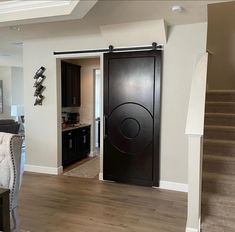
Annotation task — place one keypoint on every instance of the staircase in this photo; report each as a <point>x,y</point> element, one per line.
<point>218,184</point>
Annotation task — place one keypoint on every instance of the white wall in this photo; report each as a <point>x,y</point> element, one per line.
<point>13,60</point>
<point>42,128</point>
<point>17,86</point>
<point>5,76</point>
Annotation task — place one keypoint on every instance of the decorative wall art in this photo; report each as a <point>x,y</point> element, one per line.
<point>1,97</point>
<point>39,88</point>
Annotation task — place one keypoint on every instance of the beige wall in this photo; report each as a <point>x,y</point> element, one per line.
<point>185,44</point>
<point>17,86</point>
<point>43,141</point>
<point>221,35</point>
<point>42,124</point>
<point>5,76</point>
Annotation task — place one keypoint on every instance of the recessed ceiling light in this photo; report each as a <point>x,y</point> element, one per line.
<point>177,9</point>
<point>15,28</point>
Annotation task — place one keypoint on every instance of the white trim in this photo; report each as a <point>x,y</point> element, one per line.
<point>180,187</point>
<point>60,170</point>
<point>191,230</point>
<point>43,169</point>
<point>101,176</point>
<point>92,154</point>
<point>16,6</point>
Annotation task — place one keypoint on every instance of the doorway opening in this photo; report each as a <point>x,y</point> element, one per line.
<point>81,107</point>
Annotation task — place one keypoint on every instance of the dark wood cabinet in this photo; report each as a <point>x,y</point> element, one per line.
<point>75,145</point>
<point>70,83</point>
<point>69,144</point>
<point>84,142</point>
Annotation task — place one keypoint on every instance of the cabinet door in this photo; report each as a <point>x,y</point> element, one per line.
<point>70,83</point>
<point>69,77</point>
<point>63,84</point>
<point>69,147</point>
<point>76,86</point>
<point>65,150</point>
<point>84,141</point>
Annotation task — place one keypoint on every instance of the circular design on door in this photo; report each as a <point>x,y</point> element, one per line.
<point>130,128</point>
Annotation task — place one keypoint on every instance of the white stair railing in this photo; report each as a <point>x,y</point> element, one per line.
<point>195,130</point>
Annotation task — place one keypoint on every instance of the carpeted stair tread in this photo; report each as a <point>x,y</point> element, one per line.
<point>218,158</point>
<point>217,199</point>
<point>220,127</point>
<point>217,224</point>
<point>218,183</point>
<point>218,205</point>
<point>219,164</point>
<point>220,107</point>
<point>222,141</point>
<point>224,119</point>
<point>220,177</point>
<point>219,132</point>
<point>219,147</point>
<point>221,95</point>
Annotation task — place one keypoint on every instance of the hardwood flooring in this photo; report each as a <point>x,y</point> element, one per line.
<point>71,204</point>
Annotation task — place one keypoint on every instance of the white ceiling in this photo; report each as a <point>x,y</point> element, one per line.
<point>104,12</point>
<point>23,12</point>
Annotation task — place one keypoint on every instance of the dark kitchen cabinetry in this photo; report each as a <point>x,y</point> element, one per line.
<point>75,145</point>
<point>84,141</point>
<point>70,83</point>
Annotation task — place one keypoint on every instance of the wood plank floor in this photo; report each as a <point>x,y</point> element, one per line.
<point>71,204</point>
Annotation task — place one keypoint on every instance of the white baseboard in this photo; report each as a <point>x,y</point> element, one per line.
<point>60,170</point>
<point>174,186</point>
<point>191,230</point>
<point>101,176</point>
<point>92,154</point>
<point>43,169</point>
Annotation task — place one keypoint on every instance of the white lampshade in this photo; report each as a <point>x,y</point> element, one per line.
<point>17,110</point>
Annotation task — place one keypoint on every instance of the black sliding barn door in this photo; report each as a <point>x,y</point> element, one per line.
<point>132,92</point>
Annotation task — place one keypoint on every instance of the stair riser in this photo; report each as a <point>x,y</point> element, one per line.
<point>220,97</point>
<point>220,120</point>
<point>226,149</point>
<point>220,108</point>
<point>218,187</point>
<point>223,134</point>
<point>222,167</point>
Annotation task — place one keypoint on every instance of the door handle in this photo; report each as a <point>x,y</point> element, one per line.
<point>84,139</point>
<point>70,143</point>
<point>105,126</point>
<point>74,100</point>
